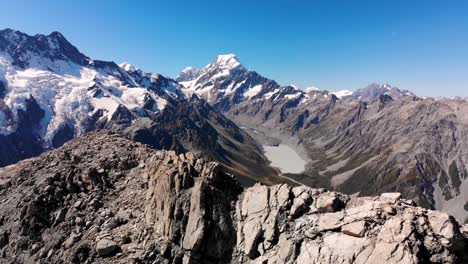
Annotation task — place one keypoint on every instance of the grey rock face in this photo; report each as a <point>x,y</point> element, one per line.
<point>104,199</point>
<point>361,231</point>
<point>3,90</point>
<point>25,141</point>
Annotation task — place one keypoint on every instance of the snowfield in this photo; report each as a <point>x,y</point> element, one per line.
<point>69,93</point>
<point>342,93</point>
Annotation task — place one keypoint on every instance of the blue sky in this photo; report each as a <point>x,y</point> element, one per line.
<point>417,45</point>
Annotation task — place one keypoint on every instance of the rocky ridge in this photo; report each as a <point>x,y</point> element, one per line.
<point>104,199</point>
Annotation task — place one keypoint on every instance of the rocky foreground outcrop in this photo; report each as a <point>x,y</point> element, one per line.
<point>104,199</point>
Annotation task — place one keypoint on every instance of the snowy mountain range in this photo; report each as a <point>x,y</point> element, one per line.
<point>70,87</point>
<point>373,140</point>
<point>51,93</point>
<point>376,139</point>
<point>225,82</point>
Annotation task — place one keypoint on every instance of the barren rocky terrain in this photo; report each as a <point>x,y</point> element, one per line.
<point>104,199</point>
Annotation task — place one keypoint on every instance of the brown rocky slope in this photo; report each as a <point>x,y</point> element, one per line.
<point>104,199</point>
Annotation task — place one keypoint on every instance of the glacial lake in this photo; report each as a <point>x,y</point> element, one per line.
<point>285,158</point>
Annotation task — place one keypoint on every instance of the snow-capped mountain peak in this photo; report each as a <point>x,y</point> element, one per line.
<point>69,90</point>
<point>127,67</point>
<point>223,63</point>
<point>375,90</point>
<point>342,93</point>
<point>311,89</point>
<point>217,79</point>
<point>226,61</point>
<point>188,74</point>
<point>386,86</point>
<point>188,69</point>
<point>40,51</point>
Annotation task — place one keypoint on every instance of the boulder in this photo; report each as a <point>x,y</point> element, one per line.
<point>356,229</point>
<point>106,247</point>
<point>72,239</point>
<point>393,197</point>
<point>329,202</point>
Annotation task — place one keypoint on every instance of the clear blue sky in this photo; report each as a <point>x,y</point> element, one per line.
<point>416,45</point>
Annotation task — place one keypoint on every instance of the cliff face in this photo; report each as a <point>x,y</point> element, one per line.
<point>301,225</point>
<point>104,199</point>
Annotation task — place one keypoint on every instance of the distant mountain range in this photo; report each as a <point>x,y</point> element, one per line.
<point>376,139</point>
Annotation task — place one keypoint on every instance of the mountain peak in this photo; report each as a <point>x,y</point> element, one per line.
<point>221,66</point>
<point>10,35</point>
<point>127,67</point>
<point>188,74</point>
<point>57,35</point>
<point>311,89</point>
<point>375,90</point>
<point>342,93</point>
<point>386,86</point>
<point>226,61</point>
<point>29,50</point>
<point>7,31</point>
<point>222,57</point>
<point>189,68</point>
<point>379,86</point>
